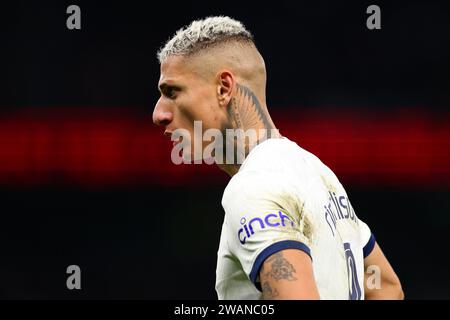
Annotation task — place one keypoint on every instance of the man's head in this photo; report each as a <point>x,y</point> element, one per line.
<point>201,69</point>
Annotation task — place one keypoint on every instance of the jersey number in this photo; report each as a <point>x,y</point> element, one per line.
<point>355,289</point>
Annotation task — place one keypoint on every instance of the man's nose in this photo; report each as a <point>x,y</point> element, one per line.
<point>161,115</point>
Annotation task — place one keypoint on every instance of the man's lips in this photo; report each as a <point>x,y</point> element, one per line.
<point>180,139</point>
<point>168,133</point>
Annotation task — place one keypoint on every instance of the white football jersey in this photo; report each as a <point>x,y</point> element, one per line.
<point>284,197</point>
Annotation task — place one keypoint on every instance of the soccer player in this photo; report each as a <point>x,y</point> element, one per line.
<point>289,230</point>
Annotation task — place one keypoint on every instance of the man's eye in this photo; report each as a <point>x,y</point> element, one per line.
<point>171,93</point>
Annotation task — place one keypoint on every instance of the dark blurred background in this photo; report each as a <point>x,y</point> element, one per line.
<point>86,178</point>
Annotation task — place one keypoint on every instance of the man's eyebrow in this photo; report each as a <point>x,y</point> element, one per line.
<point>163,86</point>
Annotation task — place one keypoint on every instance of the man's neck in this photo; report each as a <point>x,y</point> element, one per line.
<point>251,124</point>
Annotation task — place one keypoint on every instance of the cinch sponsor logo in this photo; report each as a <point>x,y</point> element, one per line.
<point>270,220</point>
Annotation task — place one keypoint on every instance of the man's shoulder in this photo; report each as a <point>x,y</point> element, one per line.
<point>272,155</point>
<point>268,171</point>
<point>274,170</point>
<point>250,182</point>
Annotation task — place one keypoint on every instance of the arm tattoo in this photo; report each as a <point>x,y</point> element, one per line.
<point>280,268</point>
<point>268,292</point>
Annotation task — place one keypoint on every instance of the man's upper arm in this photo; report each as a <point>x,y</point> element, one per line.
<point>263,218</point>
<point>288,274</point>
<point>388,286</point>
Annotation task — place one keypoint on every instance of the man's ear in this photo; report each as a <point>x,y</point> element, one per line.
<point>225,87</point>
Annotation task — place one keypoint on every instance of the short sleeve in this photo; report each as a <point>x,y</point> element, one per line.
<point>367,238</point>
<point>264,216</point>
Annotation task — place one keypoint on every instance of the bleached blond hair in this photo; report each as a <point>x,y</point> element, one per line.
<point>204,33</point>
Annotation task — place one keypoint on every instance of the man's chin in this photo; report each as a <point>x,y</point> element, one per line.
<point>189,159</point>
<point>210,160</point>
